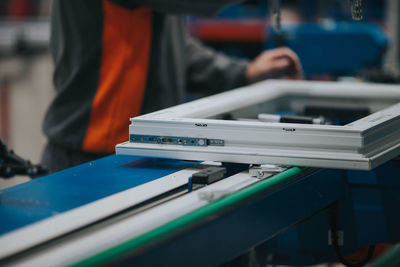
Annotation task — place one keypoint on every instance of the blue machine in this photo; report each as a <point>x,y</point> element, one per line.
<point>368,213</point>
<point>333,48</point>
<point>289,216</point>
<point>337,47</point>
<point>60,192</point>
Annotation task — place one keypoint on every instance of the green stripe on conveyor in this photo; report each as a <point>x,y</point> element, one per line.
<point>188,219</point>
<point>389,259</point>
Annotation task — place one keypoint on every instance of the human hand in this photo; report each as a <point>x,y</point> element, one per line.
<point>274,63</point>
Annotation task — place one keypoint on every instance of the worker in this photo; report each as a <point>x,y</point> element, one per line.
<point>116,59</point>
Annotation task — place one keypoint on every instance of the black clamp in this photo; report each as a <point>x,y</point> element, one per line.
<point>12,164</point>
<point>209,175</point>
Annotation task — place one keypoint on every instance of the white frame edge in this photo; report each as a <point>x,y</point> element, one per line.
<point>362,144</point>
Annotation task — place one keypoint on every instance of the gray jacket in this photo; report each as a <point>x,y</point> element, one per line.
<point>118,59</point>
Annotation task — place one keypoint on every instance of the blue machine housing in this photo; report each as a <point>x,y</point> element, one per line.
<point>333,48</point>
<point>367,213</point>
<point>290,221</point>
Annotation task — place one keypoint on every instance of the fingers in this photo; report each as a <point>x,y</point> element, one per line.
<point>274,63</point>
<point>288,53</point>
<point>271,69</point>
<point>281,63</point>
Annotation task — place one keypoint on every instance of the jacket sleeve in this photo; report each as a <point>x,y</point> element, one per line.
<point>210,71</point>
<point>180,7</point>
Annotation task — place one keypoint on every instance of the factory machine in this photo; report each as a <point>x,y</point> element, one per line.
<point>314,29</point>
<point>297,172</point>
<point>280,172</point>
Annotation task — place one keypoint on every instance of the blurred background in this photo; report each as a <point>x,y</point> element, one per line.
<point>25,77</point>
<point>331,47</point>
<point>25,74</point>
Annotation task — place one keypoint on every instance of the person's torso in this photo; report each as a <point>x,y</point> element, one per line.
<point>111,63</point>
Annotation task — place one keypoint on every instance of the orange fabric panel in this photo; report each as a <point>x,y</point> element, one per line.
<point>123,74</point>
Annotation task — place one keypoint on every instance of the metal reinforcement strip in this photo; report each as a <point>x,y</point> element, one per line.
<point>187,219</point>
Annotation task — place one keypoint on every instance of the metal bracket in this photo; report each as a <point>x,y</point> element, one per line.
<point>266,171</point>
<point>175,140</point>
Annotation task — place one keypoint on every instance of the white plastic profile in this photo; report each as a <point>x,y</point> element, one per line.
<point>362,144</point>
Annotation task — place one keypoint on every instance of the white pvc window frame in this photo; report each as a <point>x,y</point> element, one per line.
<point>362,144</point>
